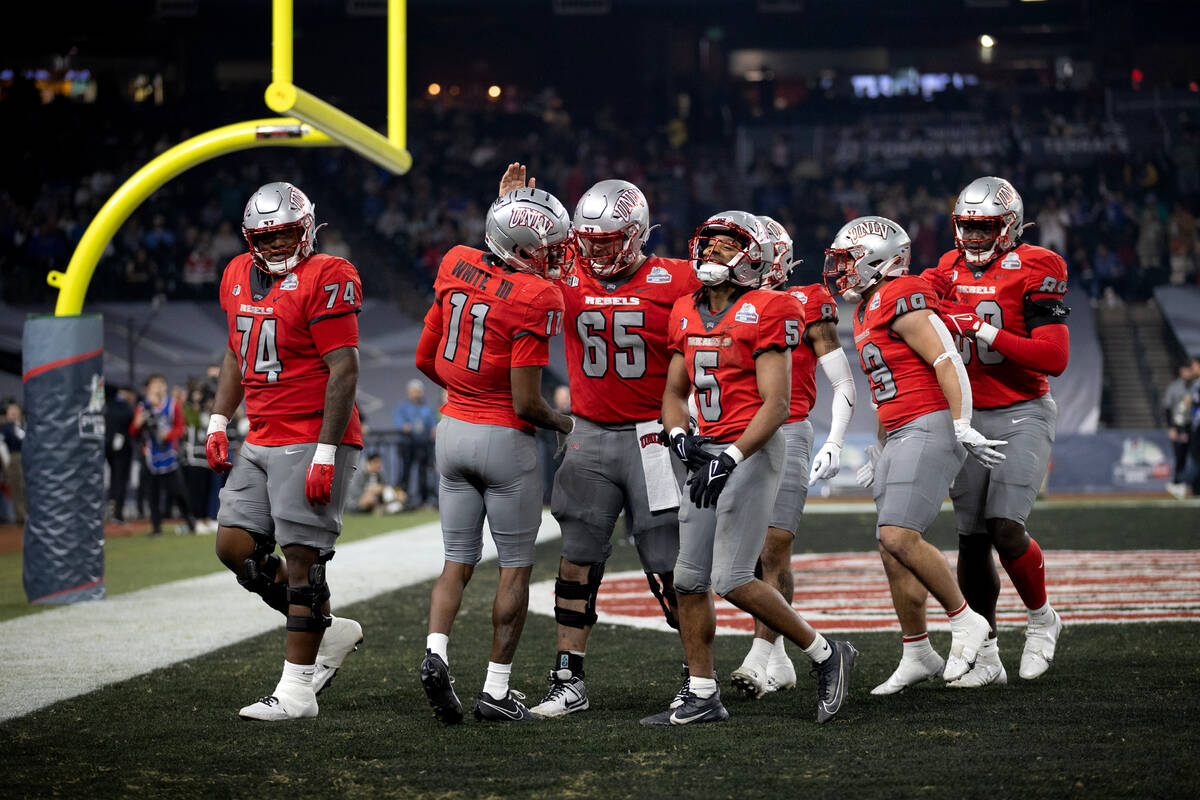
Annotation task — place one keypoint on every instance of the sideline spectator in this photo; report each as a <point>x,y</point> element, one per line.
<point>13,432</point>
<point>158,419</point>
<point>1177,409</point>
<point>370,491</point>
<point>417,423</point>
<point>197,476</point>
<point>118,447</point>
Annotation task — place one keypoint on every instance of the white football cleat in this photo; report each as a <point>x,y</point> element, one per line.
<point>341,638</point>
<point>1040,641</point>
<point>567,695</point>
<point>750,681</point>
<point>281,708</point>
<point>967,637</point>
<point>910,672</point>
<point>781,674</point>
<point>987,670</point>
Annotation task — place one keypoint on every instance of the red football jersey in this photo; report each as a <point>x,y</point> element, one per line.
<point>903,386</point>
<point>720,353</point>
<point>999,293</point>
<point>489,319</point>
<point>280,329</point>
<point>616,338</point>
<point>818,306</point>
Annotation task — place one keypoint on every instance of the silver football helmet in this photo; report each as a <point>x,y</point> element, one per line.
<point>279,208</point>
<point>865,251</point>
<point>529,230</point>
<point>782,250</point>
<point>988,216</point>
<point>612,221</point>
<point>744,260</point>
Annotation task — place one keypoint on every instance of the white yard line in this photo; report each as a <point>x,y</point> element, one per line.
<point>82,647</point>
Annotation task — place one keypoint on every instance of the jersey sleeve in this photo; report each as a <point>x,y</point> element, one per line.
<point>333,307</point>
<point>1045,287</point>
<point>907,294</point>
<point>675,326</point>
<point>541,320</point>
<point>780,324</point>
<point>818,305</point>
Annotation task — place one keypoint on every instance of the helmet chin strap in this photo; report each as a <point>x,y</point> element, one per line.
<point>852,295</point>
<point>712,274</point>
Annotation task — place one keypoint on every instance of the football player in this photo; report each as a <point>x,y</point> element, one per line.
<point>486,339</point>
<point>617,304</point>
<point>1006,310</point>
<point>767,667</point>
<point>923,401</point>
<point>730,342</point>
<point>293,356</point>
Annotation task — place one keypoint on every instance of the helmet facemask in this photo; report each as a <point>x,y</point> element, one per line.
<point>279,249</point>
<point>980,239</point>
<point>607,253</point>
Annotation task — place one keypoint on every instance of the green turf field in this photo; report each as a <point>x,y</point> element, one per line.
<point>1115,717</point>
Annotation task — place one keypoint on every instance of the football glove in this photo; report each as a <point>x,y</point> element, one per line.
<point>688,449</point>
<point>318,483</point>
<point>216,444</point>
<point>827,463</point>
<point>707,482</point>
<point>940,281</point>
<point>966,323</point>
<point>983,449</point>
<point>866,473</point>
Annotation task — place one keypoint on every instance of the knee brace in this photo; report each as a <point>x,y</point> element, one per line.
<point>313,597</point>
<point>570,590</point>
<point>664,598</point>
<point>259,578</point>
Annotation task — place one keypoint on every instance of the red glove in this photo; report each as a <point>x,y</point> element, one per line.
<point>216,450</point>
<point>939,280</point>
<point>965,323</point>
<point>318,484</point>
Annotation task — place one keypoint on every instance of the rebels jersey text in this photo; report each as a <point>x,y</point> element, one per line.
<point>616,338</point>
<point>1011,293</point>
<point>280,328</point>
<point>489,319</point>
<point>818,306</point>
<point>720,349</point>
<point>903,386</point>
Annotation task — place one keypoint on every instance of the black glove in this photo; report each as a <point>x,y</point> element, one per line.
<point>708,481</point>
<point>689,450</point>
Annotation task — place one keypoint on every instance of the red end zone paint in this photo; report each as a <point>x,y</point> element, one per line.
<point>847,592</point>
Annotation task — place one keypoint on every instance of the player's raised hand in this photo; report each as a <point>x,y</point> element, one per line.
<point>318,483</point>
<point>514,178</point>
<point>966,323</point>
<point>216,445</point>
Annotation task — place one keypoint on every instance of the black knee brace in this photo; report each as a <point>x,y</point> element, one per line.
<point>663,596</point>
<point>260,578</point>
<point>313,597</point>
<point>569,590</point>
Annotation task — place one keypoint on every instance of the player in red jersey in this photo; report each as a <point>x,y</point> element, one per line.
<point>486,339</point>
<point>1006,309</point>
<point>767,668</point>
<point>923,400</point>
<point>730,342</point>
<point>293,358</point>
<point>617,304</point>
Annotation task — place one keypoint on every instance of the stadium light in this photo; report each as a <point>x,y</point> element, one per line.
<point>986,41</point>
<point>493,91</point>
<point>434,89</point>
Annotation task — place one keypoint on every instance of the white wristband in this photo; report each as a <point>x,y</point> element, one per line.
<point>987,333</point>
<point>324,454</point>
<point>217,424</point>
<point>674,431</point>
<point>733,452</point>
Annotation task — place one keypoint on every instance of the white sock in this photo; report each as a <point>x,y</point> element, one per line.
<point>917,647</point>
<point>439,644</point>
<point>496,684</point>
<point>1041,616</point>
<point>961,619</point>
<point>760,651</point>
<point>296,679</point>
<point>819,651</point>
<point>703,687</point>
<point>778,653</point>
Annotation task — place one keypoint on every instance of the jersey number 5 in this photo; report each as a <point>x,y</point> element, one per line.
<point>266,352</point>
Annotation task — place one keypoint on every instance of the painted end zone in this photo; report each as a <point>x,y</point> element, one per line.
<point>847,592</point>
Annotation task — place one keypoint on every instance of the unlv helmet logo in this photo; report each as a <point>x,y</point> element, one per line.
<point>626,202</point>
<point>530,218</point>
<point>1004,195</point>
<point>868,227</point>
<point>296,199</point>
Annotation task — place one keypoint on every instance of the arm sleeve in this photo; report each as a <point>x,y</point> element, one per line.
<point>836,367</point>
<point>542,320</point>
<point>1047,349</point>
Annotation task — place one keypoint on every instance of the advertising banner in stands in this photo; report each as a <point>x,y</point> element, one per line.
<point>63,458</point>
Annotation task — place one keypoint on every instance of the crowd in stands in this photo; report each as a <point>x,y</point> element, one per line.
<point>1124,222</point>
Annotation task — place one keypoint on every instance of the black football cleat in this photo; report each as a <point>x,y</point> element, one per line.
<point>692,711</point>
<point>508,709</point>
<point>833,679</point>
<point>439,689</point>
